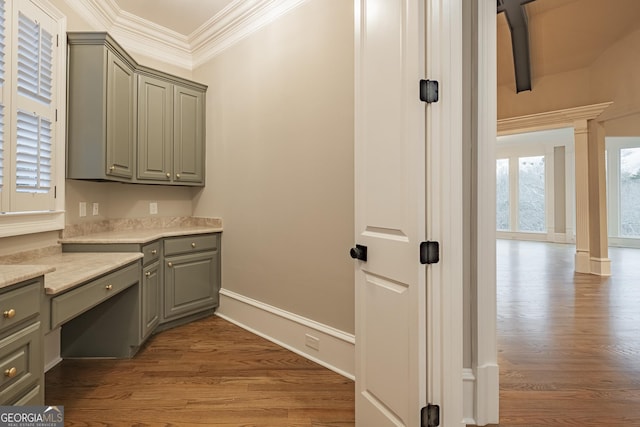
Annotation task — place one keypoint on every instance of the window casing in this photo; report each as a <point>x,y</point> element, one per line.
<point>32,96</point>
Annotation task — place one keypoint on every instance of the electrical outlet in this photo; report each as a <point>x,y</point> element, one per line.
<point>83,209</point>
<point>96,208</point>
<point>153,208</point>
<point>312,342</point>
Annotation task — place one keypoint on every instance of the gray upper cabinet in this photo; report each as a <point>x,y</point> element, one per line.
<point>155,129</point>
<point>127,122</point>
<point>100,138</point>
<point>188,130</point>
<point>170,132</point>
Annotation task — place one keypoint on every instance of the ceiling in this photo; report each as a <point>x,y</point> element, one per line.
<point>181,16</point>
<point>566,35</point>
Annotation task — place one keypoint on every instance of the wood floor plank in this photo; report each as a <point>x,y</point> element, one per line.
<point>569,344</point>
<point>207,373</point>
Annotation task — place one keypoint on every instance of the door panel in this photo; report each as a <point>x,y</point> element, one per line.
<point>390,213</point>
<point>119,118</point>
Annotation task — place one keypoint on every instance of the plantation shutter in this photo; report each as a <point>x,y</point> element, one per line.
<point>2,102</point>
<point>34,110</point>
<point>33,132</point>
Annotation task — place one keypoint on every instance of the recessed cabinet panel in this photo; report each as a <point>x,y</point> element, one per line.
<point>189,284</point>
<point>119,118</point>
<point>188,149</point>
<point>155,129</point>
<point>150,298</point>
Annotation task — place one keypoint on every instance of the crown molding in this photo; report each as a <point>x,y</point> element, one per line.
<point>550,119</point>
<point>137,35</point>
<point>237,21</point>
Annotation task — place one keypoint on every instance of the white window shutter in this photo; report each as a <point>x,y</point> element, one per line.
<point>33,109</point>
<point>2,88</point>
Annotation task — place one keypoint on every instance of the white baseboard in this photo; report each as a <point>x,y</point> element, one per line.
<point>468,391</point>
<point>52,349</point>
<point>481,391</point>
<point>336,349</point>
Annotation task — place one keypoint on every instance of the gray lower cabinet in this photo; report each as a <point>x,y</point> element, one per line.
<point>191,275</point>
<point>100,318</point>
<point>100,102</point>
<point>180,277</point>
<point>151,289</point>
<point>21,344</point>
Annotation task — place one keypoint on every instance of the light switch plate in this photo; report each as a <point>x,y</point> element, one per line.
<point>83,209</point>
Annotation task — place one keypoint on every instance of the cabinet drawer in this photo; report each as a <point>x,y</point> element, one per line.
<point>79,300</point>
<point>194,243</point>
<point>20,362</point>
<point>151,252</point>
<point>19,304</point>
<point>35,397</point>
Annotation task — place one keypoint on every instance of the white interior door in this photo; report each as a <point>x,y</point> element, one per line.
<point>390,213</point>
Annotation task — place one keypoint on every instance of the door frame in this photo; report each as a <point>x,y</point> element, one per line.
<point>474,398</point>
<point>444,53</point>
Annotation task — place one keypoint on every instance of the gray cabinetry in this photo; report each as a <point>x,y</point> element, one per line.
<point>151,287</point>
<point>180,277</point>
<point>100,318</point>
<point>191,275</point>
<point>155,129</point>
<point>100,137</point>
<point>127,122</point>
<point>21,357</point>
<point>188,135</point>
<point>170,131</point>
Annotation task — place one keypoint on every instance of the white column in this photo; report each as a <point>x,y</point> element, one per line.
<point>583,256</point>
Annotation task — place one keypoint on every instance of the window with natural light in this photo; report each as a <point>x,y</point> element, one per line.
<point>32,93</point>
<point>630,192</point>
<point>502,195</point>
<point>531,194</point>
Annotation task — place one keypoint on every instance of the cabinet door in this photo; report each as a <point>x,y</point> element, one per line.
<point>155,129</point>
<point>119,117</point>
<point>190,283</point>
<point>150,298</point>
<point>188,136</point>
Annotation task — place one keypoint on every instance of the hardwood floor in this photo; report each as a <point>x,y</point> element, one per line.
<point>569,344</point>
<point>207,373</point>
<point>569,354</point>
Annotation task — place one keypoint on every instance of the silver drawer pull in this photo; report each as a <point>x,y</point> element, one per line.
<point>193,245</point>
<point>148,273</point>
<point>170,264</point>
<point>168,175</point>
<point>10,373</point>
<point>153,252</point>
<point>8,314</point>
<point>112,168</point>
<point>108,287</point>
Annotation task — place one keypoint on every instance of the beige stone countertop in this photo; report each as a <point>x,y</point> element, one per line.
<point>68,270</point>
<point>12,274</point>
<point>143,235</point>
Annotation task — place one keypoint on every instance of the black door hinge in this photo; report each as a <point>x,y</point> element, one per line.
<point>430,415</point>
<point>429,91</point>
<point>429,252</point>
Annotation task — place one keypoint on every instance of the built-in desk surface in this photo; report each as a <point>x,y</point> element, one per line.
<point>73,269</point>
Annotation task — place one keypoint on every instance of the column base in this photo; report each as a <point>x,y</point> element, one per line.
<point>601,266</point>
<point>583,262</point>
